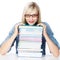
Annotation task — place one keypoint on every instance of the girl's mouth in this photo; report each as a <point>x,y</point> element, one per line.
<point>31,21</point>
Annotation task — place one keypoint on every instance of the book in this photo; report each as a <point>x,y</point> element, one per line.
<point>29,44</point>
<point>30,41</point>
<point>30,54</point>
<point>30,33</point>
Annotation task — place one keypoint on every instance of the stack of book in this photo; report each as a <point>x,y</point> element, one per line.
<point>30,41</point>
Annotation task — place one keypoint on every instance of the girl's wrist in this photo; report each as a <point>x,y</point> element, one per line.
<point>44,33</point>
<point>15,34</point>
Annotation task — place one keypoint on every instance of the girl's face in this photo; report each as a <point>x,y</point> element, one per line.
<point>31,16</point>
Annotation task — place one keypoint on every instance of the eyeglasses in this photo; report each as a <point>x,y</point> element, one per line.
<point>29,15</point>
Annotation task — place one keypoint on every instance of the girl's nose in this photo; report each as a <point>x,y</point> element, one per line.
<point>31,17</point>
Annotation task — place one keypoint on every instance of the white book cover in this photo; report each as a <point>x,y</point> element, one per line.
<point>29,44</point>
<point>29,50</point>
<point>30,54</point>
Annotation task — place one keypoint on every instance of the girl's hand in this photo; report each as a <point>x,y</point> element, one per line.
<point>44,27</point>
<point>16,27</point>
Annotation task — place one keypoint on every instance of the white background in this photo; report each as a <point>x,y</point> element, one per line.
<point>11,13</point>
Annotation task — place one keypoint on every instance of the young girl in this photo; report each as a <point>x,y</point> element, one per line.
<point>31,16</point>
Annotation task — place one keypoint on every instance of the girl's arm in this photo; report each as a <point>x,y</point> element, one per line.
<point>4,48</point>
<point>7,44</point>
<point>52,46</point>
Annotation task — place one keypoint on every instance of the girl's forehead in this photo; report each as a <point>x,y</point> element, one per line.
<point>31,11</point>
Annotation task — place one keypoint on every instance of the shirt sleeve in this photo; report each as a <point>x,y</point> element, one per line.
<point>51,35</point>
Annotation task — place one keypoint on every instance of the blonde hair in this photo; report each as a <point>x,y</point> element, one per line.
<point>31,5</point>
